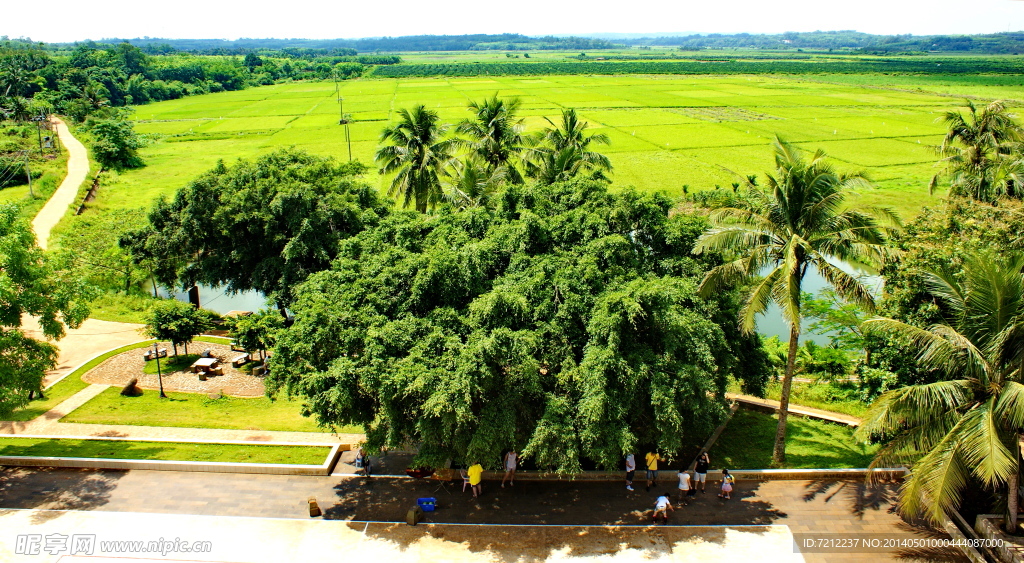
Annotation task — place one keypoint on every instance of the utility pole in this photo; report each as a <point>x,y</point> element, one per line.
<point>29,174</point>
<point>348,138</point>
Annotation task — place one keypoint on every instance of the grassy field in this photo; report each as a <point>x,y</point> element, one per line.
<point>747,442</point>
<point>189,410</point>
<point>169,451</point>
<point>666,131</point>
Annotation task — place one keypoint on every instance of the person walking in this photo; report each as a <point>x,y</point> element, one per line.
<point>684,486</point>
<point>476,475</point>
<point>630,471</point>
<point>363,460</point>
<point>652,469</point>
<point>662,506</point>
<point>727,482</point>
<point>510,463</point>
<point>701,469</point>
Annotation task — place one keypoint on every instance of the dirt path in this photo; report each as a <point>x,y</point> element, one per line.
<point>57,206</point>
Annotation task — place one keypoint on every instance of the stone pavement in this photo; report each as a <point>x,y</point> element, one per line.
<point>827,506</point>
<point>48,424</point>
<point>63,196</point>
<point>259,540</point>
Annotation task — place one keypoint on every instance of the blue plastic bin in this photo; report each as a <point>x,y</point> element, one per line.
<point>428,504</point>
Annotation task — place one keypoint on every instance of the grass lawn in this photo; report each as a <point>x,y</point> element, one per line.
<point>747,443</point>
<point>835,397</point>
<point>190,410</point>
<point>121,308</point>
<point>71,384</point>
<point>169,451</point>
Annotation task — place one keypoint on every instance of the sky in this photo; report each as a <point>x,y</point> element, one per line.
<point>75,20</point>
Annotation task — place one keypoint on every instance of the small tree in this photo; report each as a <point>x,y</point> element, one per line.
<point>177,322</point>
<point>257,332</point>
<point>115,144</point>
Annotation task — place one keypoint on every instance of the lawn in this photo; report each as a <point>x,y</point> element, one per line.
<point>666,130</point>
<point>190,410</point>
<point>747,443</point>
<point>181,362</point>
<point>168,451</point>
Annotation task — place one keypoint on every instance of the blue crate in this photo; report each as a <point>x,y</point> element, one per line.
<point>428,504</point>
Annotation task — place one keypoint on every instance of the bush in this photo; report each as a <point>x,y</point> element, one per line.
<point>116,143</point>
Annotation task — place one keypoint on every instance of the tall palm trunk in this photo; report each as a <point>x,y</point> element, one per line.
<point>1012,492</point>
<point>779,453</point>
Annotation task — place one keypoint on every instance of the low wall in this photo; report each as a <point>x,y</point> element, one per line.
<point>324,468</point>
<point>989,527</point>
<point>714,475</point>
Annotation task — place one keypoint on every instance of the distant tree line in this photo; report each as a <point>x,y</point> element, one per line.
<point>90,77</point>
<point>995,43</point>
<point>341,47</point>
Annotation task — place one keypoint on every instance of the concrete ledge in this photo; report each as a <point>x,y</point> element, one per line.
<point>322,469</point>
<point>1002,546</point>
<point>768,406</point>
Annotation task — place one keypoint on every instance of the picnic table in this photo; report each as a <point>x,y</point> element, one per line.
<point>204,364</point>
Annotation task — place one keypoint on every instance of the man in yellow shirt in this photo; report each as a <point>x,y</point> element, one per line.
<point>476,475</point>
<point>652,468</point>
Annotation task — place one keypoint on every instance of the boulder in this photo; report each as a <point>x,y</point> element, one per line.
<point>132,388</point>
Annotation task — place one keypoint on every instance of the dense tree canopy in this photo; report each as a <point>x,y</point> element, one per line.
<point>33,285</point>
<point>564,322</point>
<point>177,322</point>
<point>263,224</point>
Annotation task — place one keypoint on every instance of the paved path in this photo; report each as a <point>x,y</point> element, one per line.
<point>801,410</point>
<point>48,424</point>
<point>64,196</point>
<point>276,541</point>
<point>825,506</point>
<point>84,343</point>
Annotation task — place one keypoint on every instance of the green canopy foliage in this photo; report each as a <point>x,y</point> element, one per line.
<point>35,285</point>
<point>264,224</point>
<point>563,322</point>
<point>177,322</point>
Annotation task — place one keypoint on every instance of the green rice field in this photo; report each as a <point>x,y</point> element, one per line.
<point>667,131</point>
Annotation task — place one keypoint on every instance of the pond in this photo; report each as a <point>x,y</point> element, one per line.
<point>771,322</point>
<point>221,301</point>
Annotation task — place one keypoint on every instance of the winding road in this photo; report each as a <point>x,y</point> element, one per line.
<point>64,196</point>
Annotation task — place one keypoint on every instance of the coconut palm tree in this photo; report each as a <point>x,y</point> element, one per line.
<point>981,152</point>
<point>418,156</point>
<point>565,147</point>
<point>799,222</point>
<point>496,134</point>
<point>473,182</point>
<point>969,425</point>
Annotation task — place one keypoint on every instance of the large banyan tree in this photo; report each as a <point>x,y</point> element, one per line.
<point>563,322</point>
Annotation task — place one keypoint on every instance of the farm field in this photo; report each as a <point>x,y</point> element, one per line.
<point>666,131</point>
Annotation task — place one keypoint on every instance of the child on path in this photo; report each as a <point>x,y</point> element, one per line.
<point>662,506</point>
<point>652,469</point>
<point>510,463</point>
<point>630,471</point>
<point>701,469</point>
<point>475,474</point>
<point>684,486</point>
<point>727,481</point>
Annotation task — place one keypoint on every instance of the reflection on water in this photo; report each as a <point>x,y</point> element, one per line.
<point>217,299</point>
<point>771,322</point>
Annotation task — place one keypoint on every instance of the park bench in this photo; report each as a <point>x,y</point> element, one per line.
<point>149,355</point>
<point>240,360</point>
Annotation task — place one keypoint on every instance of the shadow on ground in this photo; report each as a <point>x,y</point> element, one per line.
<point>55,489</point>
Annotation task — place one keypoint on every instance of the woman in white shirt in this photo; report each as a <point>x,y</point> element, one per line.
<point>684,485</point>
<point>511,461</point>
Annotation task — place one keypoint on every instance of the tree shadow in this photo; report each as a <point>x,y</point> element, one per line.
<point>55,489</point>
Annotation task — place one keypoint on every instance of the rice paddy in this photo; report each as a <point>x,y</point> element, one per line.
<point>666,131</point>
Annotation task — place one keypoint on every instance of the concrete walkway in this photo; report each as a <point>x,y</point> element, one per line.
<point>48,424</point>
<point>532,522</point>
<point>799,410</point>
<point>64,196</point>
